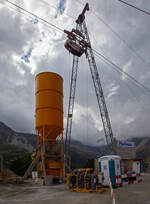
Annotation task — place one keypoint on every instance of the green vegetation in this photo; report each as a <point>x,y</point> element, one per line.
<point>81,157</point>
<point>11,152</point>
<point>90,164</point>
<point>18,158</point>
<point>20,165</point>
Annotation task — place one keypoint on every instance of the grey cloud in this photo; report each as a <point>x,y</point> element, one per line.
<point>14,34</point>
<point>128,107</point>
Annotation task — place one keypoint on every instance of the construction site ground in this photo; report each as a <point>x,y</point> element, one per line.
<point>37,194</point>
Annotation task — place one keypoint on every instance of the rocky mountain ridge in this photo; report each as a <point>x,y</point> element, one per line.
<point>14,144</point>
<point>21,140</point>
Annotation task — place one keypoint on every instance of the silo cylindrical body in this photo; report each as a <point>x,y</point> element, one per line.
<point>49,102</point>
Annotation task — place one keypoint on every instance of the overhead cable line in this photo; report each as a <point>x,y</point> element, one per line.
<point>119,37</point>
<point>106,60</point>
<point>127,85</point>
<point>52,25</point>
<point>117,68</point>
<point>139,9</point>
<point>55,7</point>
<point>44,2</point>
<point>19,11</point>
<point>28,17</point>
<point>50,5</point>
<point>137,100</point>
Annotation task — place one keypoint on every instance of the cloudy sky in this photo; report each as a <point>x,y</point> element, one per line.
<point>28,46</point>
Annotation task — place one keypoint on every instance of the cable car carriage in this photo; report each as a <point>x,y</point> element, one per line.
<point>73,44</point>
<point>74,48</point>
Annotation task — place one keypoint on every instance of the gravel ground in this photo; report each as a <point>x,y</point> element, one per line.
<point>36,194</point>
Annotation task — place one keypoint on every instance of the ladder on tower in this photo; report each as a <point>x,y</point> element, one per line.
<point>70,114</point>
<point>79,43</point>
<point>32,165</point>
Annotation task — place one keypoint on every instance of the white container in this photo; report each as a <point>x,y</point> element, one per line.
<point>111,167</point>
<point>136,167</point>
<point>100,178</point>
<point>34,174</point>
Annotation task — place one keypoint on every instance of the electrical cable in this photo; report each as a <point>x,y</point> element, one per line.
<point>131,91</point>
<point>146,12</point>
<point>120,70</point>
<point>55,7</point>
<point>105,58</point>
<point>29,17</point>
<point>127,45</point>
<point>117,68</point>
<point>50,5</point>
<point>137,100</point>
<point>119,37</point>
<point>52,25</point>
<point>46,3</point>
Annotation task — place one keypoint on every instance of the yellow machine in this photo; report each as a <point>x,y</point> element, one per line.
<point>85,180</point>
<point>49,124</point>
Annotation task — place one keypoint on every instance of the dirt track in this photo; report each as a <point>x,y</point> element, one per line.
<point>31,194</point>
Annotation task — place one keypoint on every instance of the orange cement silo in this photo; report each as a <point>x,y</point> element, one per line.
<point>49,123</point>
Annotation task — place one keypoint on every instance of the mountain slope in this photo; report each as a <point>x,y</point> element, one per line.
<point>21,140</point>
<point>14,144</point>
